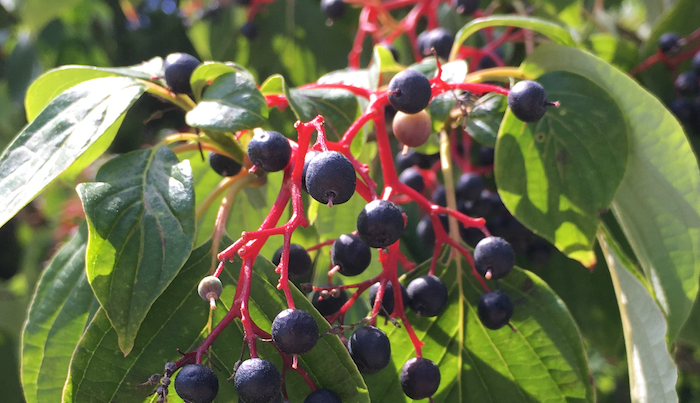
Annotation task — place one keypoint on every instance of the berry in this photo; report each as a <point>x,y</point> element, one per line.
<point>493,257</point>
<point>330,178</point>
<point>494,309</point>
<point>177,70</point>
<point>486,156</point>
<point>257,381</point>
<point>387,298</point>
<point>425,232</point>
<point>334,9</point>
<point>469,186</point>
<point>249,30</point>
<point>300,265</point>
<point>330,305</point>
<point>669,43</point>
<point>420,378</point>
<point>528,101</point>
<point>412,178</point>
<point>269,151</point>
<point>196,383</point>
<point>294,331</point>
<point>413,158</point>
<point>439,196</point>
<point>428,295</point>
<point>466,7</point>
<point>210,287</point>
<point>322,396</point>
<point>687,83</point>
<point>472,236</point>
<point>380,223</point>
<point>438,38</point>
<point>409,91</point>
<point>369,347</point>
<point>423,43</point>
<point>695,64</point>
<point>224,165</point>
<point>413,129</point>
<point>351,254</point>
<point>307,159</point>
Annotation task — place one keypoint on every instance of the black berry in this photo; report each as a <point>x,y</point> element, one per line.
<point>687,83</point>
<point>334,9</point>
<point>177,70</point>
<point>528,101</point>
<point>224,165</point>
<point>351,254</point>
<point>322,396</point>
<point>494,309</point>
<point>387,298</point>
<point>294,331</point>
<point>412,178</point>
<point>329,305</point>
<point>249,30</point>
<point>669,43</point>
<point>412,129</point>
<point>494,257</point>
<point>695,64</point>
<point>369,347</point>
<point>683,109</point>
<point>486,156</point>
<point>440,39</point>
<point>269,151</point>
<point>196,383</point>
<point>428,295</point>
<point>380,223</point>
<point>300,265</point>
<point>439,196</point>
<point>466,7</point>
<point>412,158</point>
<point>330,178</point>
<point>420,378</point>
<point>307,159</point>
<point>257,381</point>
<point>472,236</point>
<point>423,43</point>
<point>409,91</point>
<point>425,232</point>
<point>469,186</point>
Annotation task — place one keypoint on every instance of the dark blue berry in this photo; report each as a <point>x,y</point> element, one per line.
<point>409,91</point>
<point>196,383</point>
<point>493,257</point>
<point>369,347</point>
<point>439,196</point>
<point>412,178</point>
<point>330,305</point>
<point>469,186</point>
<point>300,265</point>
<point>528,101</point>
<point>695,64</point>
<point>294,331</point>
<point>224,165</point>
<point>427,295</point>
<point>307,159</point>
<point>387,298</point>
<point>494,309</point>
<point>466,7</point>
<point>687,83</point>
<point>350,254</point>
<point>380,223</point>
<point>669,43</point>
<point>330,178</point>
<point>269,151</point>
<point>249,30</point>
<point>334,9</point>
<point>257,381</point>
<point>420,378</point>
<point>440,39</point>
<point>322,396</point>
<point>177,70</point>
<point>486,156</point>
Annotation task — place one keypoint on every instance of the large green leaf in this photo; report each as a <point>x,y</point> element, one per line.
<point>657,203</point>
<point>555,175</point>
<point>652,372</point>
<point>544,360</point>
<point>141,219</point>
<point>36,13</point>
<point>64,131</point>
<point>100,373</point>
<point>57,318</point>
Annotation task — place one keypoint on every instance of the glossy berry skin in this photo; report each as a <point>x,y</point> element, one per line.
<point>196,383</point>
<point>469,187</point>
<point>334,9</point>
<point>387,298</point>
<point>177,70</point>
<point>440,39</point>
<point>420,378</point>
<point>257,381</point>
<point>269,151</point>
<point>669,43</point>
<point>380,223</point>
<point>466,7</point>
<point>413,129</point>
<point>307,159</point>
<point>322,396</point>
<point>412,178</point>
<point>249,30</point>
<point>427,295</point>
<point>369,347</point>
<point>687,83</point>
<point>494,309</point>
<point>528,101</point>
<point>294,331</point>
<point>330,305</point>
<point>330,178</point>
<point>351,254</point>
<point>300,264</point>
<point>494,254</point>
<point>224,165</point>
<point>409,91</point>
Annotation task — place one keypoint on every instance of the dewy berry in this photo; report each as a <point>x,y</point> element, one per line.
<point>329,305</point>
<point>369,347</point>
<point>387,298</point>
<point>494,257</point>
<point>409,91</point>
<point>334,9</point>
<point>257,381</point>
<point>322,396</point>
<point>350,254</point>
<point>224,165</point>
<point>528,101</point>
<point>196,383</point>
<point>294,331</point>
<point>420,378</point>
<point>330,178</point>
<point>177,70</point>
<point>300,265</point>
<point>413,130</point>
<point>380,223</point>
<point>427,295</point>
<point>494,309</point>
<point>269,150</point>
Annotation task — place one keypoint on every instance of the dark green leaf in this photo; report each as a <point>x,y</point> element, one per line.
<point>141,218</point>
<point>339,108</point>
<point>206,73</point>
<point>485,119</point>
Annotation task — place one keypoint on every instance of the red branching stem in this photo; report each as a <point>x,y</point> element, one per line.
<point>358,91</point>
<point>320,245</point>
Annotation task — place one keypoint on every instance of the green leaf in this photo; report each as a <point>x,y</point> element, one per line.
<point>339,108</point>
<point>57,318</point>
<point>231,103</point>
<point>555,175</point>
<point>36,13</point>
<point>66,129</point>
<point>543,361</point>
<point>657,203</point>
<point>652,372</point>
<point>552,31</point>
<point>141,219</point>
<point>206,73</point>
<point>485,119</point>
<point>383,67</point>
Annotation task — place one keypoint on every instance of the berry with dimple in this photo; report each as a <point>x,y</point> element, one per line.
<point>177,70</point>
<point>465,7</point>
<point>387,298</point>
<point>409,91</point>
<point>528,101</point>
<point>494,257</point>
<point>440,39</point>
<point>669,43</point>
<point>257,381</point>
<point>330,178</point>
<point>413,129</point>
<point>322,396</point>
<point>294,331</point>
<point>369,347</point>
<point>307,159</point>
<point>494,309</point>
<point>249,30</point>
<point>334,9</point>
<point>420,378</point>
<point>687,83</point>
<point>427,295</point>
<point>269,150</point>
<point>351,254</point>
<point>412,178</point>
<point>380,223</point>
<point>196,383</point>
<point>469,186</point>
<point>300,265</point>
<point>224,165</point>
<point>329,305</point>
